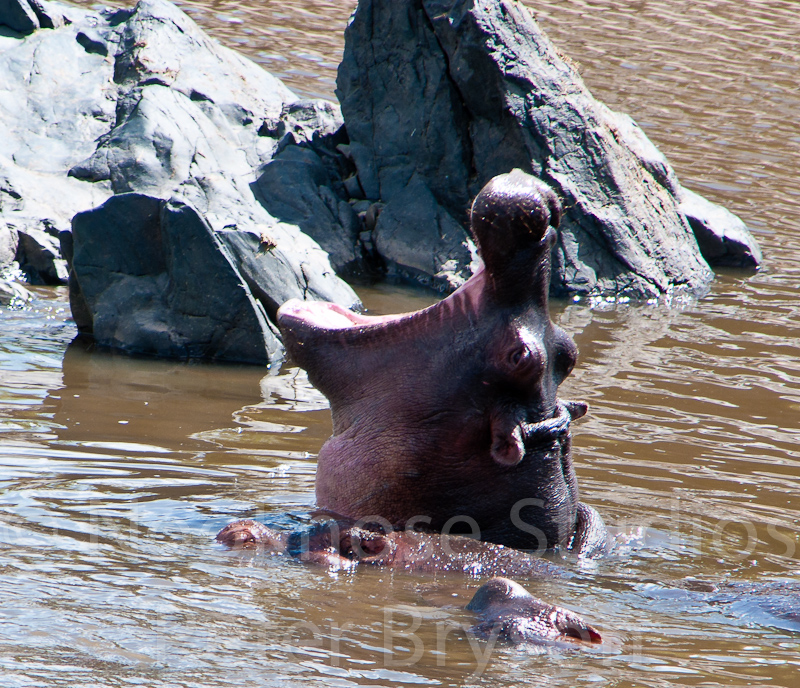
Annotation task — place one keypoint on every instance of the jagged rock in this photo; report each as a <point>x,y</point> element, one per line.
<point>19,16</point>
<point>439,96</point>
<point>9,239</point>
<point>26,16</point>
<point>151,277</point>
<point>421,241</point>
<point>12,293</point>
<point>39,257</point>
<point>723,238</point>
<point>141,101</point>
<point>52,109</point>
<point>9,289</point>
<point>449,93</point>
<point>297,188</point>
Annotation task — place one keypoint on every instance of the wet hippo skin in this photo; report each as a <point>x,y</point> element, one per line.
<point>506,611</point>
<point>511,614</point>
<point>342,545</point>
<point>448,417</point>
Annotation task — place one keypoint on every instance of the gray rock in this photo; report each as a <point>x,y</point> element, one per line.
<point>421,240</point>
<point>19,16</point>
<point>39,257</point>
<point>274,275</point>
<point>141,101</point>
<point>151,277</point>
<point>52,108</point>
<point>48,14</point>
<point>296,187</point>
<point>453,92</point>
<point>9,240</point>
<point>13,293</point>
<point>723,238</point>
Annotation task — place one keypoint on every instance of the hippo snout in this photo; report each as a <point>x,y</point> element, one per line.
<point>509,613</point>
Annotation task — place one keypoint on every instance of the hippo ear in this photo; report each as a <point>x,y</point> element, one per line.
<point>508,447</point>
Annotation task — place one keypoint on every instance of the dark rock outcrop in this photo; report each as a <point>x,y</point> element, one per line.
<point>139,106</point>
<point>151,277</point>
<point>26,16</point>
<point>441,95</point>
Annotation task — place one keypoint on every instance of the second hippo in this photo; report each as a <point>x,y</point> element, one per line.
<point>506,611</point>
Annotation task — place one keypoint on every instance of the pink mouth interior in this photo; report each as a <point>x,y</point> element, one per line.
<point>332,316</point>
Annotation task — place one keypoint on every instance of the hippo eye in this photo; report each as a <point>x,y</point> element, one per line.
<point>523,363</point>
<point>518,355</point>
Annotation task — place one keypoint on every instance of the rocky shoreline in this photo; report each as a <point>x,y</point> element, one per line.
<point>185,193</point>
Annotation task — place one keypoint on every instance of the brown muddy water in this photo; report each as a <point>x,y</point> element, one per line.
<point>116,473</point>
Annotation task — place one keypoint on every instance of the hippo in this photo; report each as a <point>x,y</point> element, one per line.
<point>509,613</point>
<point>506,611</point>
<point>448,417</point>
<point>343,544</point>
<point>447,421</point>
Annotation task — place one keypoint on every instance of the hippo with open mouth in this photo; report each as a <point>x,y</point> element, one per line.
<point>448,418</point>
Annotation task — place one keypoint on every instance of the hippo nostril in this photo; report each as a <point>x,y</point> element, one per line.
<point>511,219</point>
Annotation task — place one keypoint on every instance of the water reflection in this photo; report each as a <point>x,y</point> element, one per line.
<point>131,401</point>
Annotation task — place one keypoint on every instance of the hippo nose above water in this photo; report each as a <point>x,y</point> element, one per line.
<point>513,220</point>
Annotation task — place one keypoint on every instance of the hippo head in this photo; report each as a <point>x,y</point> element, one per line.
<point>448,417</point>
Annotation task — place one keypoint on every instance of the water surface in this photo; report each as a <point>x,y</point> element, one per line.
<point>115,473</point>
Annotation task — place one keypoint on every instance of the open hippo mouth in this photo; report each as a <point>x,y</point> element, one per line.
<point>451,412</point>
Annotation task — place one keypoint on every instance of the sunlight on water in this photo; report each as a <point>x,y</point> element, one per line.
<point>115,473</point>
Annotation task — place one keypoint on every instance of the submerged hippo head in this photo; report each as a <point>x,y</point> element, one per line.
<point>509,613</point>
<point>448,416</point>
